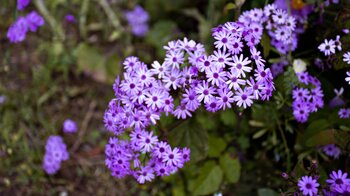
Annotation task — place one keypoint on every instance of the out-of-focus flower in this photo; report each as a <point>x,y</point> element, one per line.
<point>331,150</point>
<point>55,153</point>
<point>21,4</point>
<point>337,101</point>
<point>70,18</point>
<point>18,30</point>
<point>299,65</point>
<point>346,57</point>
<point>69,126</point>
<point>138,19</point>
<point>34,21</point>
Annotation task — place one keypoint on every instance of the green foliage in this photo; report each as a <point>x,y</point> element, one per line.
<point>209,180</point>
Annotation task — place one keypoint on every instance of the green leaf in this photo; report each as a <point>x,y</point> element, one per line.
<point>322,138</point>
<point>231,168</point>
<point>265,42</point>
<point>161,33</point>
<point>195,138</point>
<point>89,57</point>
<point>314,128</point>
<point>228,117</point>
<point>267,192</point>
<point>209,180</point>
<point>259,133</point>
<point>216,146</point>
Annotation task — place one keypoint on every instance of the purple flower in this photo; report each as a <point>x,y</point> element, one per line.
<point>308,186</point>
<point>137,19</point>
<point>34,20</point>
<point>21,4</point>
<point>348,77</point>
<point>173,157</point>
<point>69,126</point>
<point>331,150</point>
<point>328,47</point>
<point>147,142</point>
<point>145,174</point>
<point>70,18</point>
<point>243,97</point>
<point>343,189</point>
<point>18,30</point>
<point>344,113</point>
<point>338,179</point>
<point>55,153</point>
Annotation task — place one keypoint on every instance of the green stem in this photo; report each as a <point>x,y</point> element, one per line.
<point>82,19</point>
<point>286,147</point>
<point>110,14</point>
<point>56,28</point>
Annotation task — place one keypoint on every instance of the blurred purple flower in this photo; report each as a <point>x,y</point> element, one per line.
<point>34,20</point>
<point>55,153</point>
<point>331,150</point>
<point>18,30</point>
<point>138,19</point>
<point>70,18</point>
<point>21,4</point>
<point>69,126</point>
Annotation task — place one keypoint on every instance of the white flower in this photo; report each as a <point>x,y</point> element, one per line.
<point>299,66</point>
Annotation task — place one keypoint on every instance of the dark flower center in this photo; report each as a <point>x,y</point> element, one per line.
<point>213,105</point>
<point>215,75</point>
<point>221,60</point>
<point>308,186</point>
<point>167,102</point>
<point>205,92</point>
<point>161,149</point>
<point>225,99</point>
<point>174,59</point>
<point>244,97</point>
<point>143,77</point>
<point>172,78</point>
<point>132,85</point>
<point>239,66</point>
<point>154,98</point>
<point>148,141</point>
<point>224,40</point>
<point>206,63</point>
<point>339,181</point>
<point>171,156</point>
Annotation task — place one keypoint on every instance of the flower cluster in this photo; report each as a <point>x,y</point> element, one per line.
<point>18,30</point>
<point>306,101</point>
<point>69,126</point>
<point>137,19</point>
<point>188,78</point>
<point>337,184</point>
<point>55,153</point>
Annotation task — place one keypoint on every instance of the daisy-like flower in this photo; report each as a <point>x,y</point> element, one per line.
<point>282,34</point>
<point>221,59</point>
<point>172,46</point>
<point>204,92</point>
<point>182,112</point>
<point>236,46</point>
<point>155,99</point>
<point>337,43</point>
<point>160,149</point>
<point>338,179</point>
<point>240,65</point>
<point>344,113</point>
<point>234,80</point>
<point>216,75</point>
<point>145,174</point>
<point>343,190</point>
<point>348,77</point>
<point>257,57</point>
<point>328,47</point>
<point>279,16</point>
<point>172,157</point>
<point>190,99</point>
<point>174,59</point>
<point>346,58</point>
<point>144,76</point>
<point>147,141</point>
<point>205,63</point>
<point>301,94</point>
<point>130,63</point>
<point>223,40</point>
<point>332,150</point>
<point>225,98</point>
<point>308,186</point>
<point>172,79</point>
<point>212,105</point>
<point>159,69</point>
<point>243,98</point>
